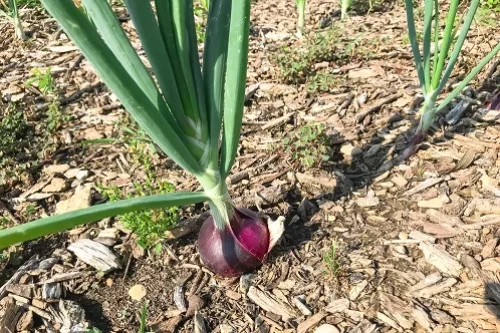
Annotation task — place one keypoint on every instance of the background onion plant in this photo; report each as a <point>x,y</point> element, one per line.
<point>301,10</point>
<point>12,13</point>
<point>436,58</point>
<point>192,112</point>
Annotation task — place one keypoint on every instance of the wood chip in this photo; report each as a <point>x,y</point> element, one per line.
<point>267,302</point>
<point>386,320</point>
<point>233,295</point>
<point>199,323</point>
<point>32,263</point>
<point>440,259</point>
<point>441,218</point>
<point>11,314</point>
<point>338,305</point>
<point>299,302</point>
<point>492,264</point>
<point>422,186</point>
<point>435,288</point>
<point>20,290</point>
<point>65,277</point>
<point>422,318</point>
<point>26,322</point>
<point>357,290</point>
<point>310,322</point>
<point>417,235</point>
<point>95,255</point>
<point>429,280</point>
<point>489,248</point>
<point>327,328</point>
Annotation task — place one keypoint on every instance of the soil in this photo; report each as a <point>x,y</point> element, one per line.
<point>362,226</point>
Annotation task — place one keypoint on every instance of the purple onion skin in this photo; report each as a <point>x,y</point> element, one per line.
<point>413,146</point>
<point>495,102</point>
<point>239,248</point>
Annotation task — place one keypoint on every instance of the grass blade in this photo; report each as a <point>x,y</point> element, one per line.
<point>446,44</point>
<point>412,34</point>
<point>82,32</point>
<point>468,78</point>
<point>459,44</point>
<point>236,71</point>
<point>214,70</point>
<point>58,223</point>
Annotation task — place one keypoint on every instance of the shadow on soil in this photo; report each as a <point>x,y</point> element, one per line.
<point>93,312</point>
<point>492,293</point>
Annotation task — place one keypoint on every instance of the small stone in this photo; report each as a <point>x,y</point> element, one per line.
<point>368,202</point>
<point>80,199</point>
<point>82,174</point>
<point>109,282</point>
<point>137,292</point>
<point>469,262</point>
<point>71,173</point>
<point>56,168</point>
<point>435,203</point>
<point>350,150</point>
<point>326,328</point>
<point>55,186</point>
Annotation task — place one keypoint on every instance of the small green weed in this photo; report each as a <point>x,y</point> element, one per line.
<point>297,64</point>
<point>331,259</point>
<point>42,80</point>
<point>54,117</point>
<point>323,82</point>
<point>144,314</point>
<point>13,126</point>
<point>309,144</point>
<point>150,225</point>
<point>93,330</point>
<point>201,14</point>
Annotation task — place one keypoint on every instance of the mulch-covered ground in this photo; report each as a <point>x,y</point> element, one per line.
<point>372,243</point>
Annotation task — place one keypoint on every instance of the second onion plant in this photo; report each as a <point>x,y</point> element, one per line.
<point>437,57</point>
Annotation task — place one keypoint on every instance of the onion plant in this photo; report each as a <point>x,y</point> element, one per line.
<point>192,112</point>
<point>344,7</point>
<point>301,9</point>
<point>437,58</point>
<point>13,15</point>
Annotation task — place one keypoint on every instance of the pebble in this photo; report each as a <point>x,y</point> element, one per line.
<point>350,150</point>
<point>137,292</point>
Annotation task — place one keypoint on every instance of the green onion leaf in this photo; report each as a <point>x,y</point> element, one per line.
<point>57,223</point>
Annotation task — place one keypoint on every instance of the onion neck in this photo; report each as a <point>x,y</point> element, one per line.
<point>221,205</point>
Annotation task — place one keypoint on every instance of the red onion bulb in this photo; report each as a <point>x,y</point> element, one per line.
<point>241,247</point>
